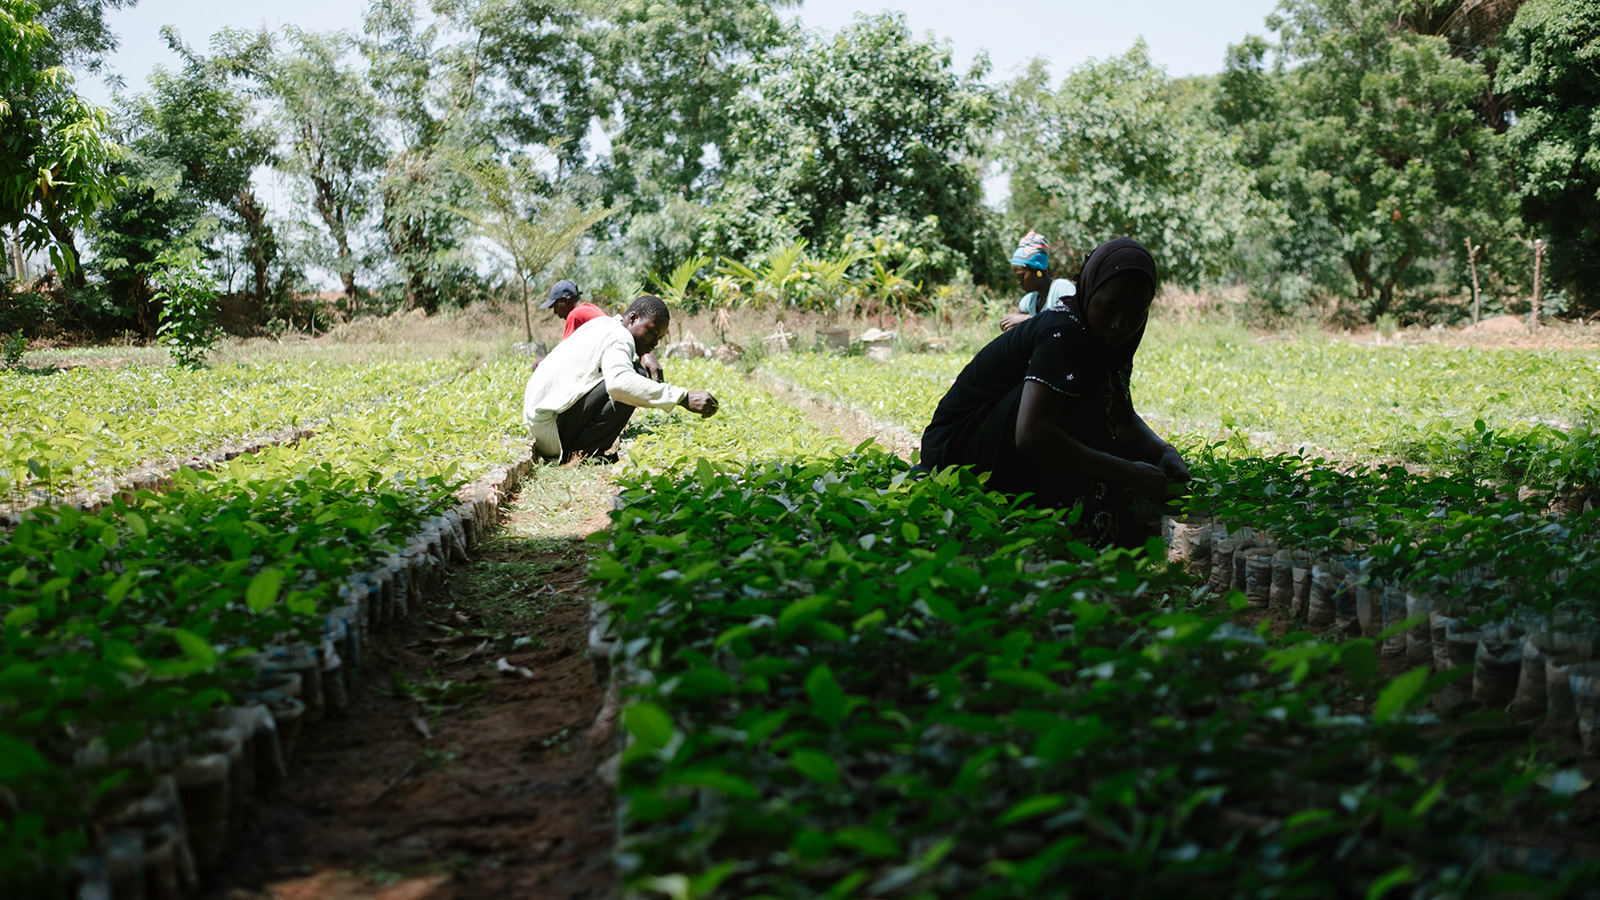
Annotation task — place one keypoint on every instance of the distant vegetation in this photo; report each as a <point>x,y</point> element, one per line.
<point>1362,158</point>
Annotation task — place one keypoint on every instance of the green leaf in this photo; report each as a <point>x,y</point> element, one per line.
<point>826,695</point>
<point>1026,679</point>
<point>263,590</point>
<point>649,724</point>
<point>195,647</point>
<point>1398,693</point>
<point>871,841</point>
<point>716,779</point>
<point>1360,660</point>
<point>1033,806</point>
<point>815,765</point>
<point>19,760</point>
<point>1390,880</point>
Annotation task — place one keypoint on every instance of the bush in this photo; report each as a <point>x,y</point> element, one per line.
<point>188,300</point>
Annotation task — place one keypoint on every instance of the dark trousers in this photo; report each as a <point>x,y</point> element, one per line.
<point>590,426</point>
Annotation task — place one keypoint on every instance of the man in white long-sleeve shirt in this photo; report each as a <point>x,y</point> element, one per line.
<point>579,399</point>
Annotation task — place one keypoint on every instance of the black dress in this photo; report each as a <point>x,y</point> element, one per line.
<point>976,422</point>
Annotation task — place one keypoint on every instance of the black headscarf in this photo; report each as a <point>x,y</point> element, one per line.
<point>1114,257</point>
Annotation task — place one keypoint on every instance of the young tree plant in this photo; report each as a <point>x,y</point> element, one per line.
<point>524,216</point>
<point>187,295</point>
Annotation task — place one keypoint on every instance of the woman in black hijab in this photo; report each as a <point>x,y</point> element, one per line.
<point>1046,407</point>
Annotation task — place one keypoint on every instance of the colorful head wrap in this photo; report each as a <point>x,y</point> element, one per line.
<point>1031,252</point>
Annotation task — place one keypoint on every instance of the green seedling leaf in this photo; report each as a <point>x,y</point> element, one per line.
<point>717,780</point>
<point>649,724</point>
<point>18,760</point>
<point>1031,807</point>
<point>1398,693</point>
<point>815,765</point>
<point>869,840</point>
<point>263,590</point>
<point>1360,660</point>
<point>827,697</point>
<point>195,647</point>
<point>1390,880</point>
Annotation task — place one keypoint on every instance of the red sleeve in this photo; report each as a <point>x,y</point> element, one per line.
<point>580,314</point>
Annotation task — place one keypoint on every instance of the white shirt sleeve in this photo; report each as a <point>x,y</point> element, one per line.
<point>624,385</point>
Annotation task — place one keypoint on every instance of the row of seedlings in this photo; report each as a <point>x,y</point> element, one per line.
<point>127,773</point>
<point>40,468</point>
<point>1446,573</point>
<point>837,681</point>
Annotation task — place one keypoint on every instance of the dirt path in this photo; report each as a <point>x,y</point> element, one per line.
<point>448,779</point>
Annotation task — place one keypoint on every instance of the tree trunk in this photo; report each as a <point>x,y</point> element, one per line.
<point>1538,262</point>
<point>527,311</point>
<point>332,212</point>
<point>73,276</point>
<point>1472,261</point>
<point>262,247</point>
<point>18,274</point>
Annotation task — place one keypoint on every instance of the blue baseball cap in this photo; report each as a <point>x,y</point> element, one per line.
<point>561,290</point>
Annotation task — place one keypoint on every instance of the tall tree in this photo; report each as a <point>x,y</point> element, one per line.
<point>80,35</point>
<point>523,216</point>
<point>668,73</point>
<point>1120,149</point>
<point>433,101</point>
<point>1378,152</point>
<point>1551,69</point>
<point>55,157</point>
<point>857,130</point>
<point>195,123</point>
<point>331,124</point>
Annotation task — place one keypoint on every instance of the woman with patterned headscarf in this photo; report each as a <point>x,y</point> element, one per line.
<point>1031,264</point>
<point>1047,409</point>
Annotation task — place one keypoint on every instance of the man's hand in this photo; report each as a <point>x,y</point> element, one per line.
<point>535,367</point>
<point>1172,463</point>
<point>1012,320</point>
<point>700,402</point>
<point>652,367</point>
<point>1149,481</point>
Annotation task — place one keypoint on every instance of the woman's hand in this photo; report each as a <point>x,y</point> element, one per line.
<point>1172,463</point>
<point>1150,482</point>
<point>1012,320</point>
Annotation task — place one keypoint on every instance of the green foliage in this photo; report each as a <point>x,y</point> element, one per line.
<point>188,299</point>
<point>126,626</point>
<point>1119,150</point>
<point>750,424</point>
<point>523,215</point>
<point>86,424</point>
<point>333,124</point>
<point>12,346</point>
<point>55,153</point>
<point>842,680</point>
<point>1377,152</point>
<point>669,72</point>
<point>195,141</point>
<point>1551,69</point>
<point>853,130</point>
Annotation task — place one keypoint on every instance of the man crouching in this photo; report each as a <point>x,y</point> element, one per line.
<point>579,399</point>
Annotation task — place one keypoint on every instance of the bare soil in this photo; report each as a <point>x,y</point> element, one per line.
<point>448,779</point>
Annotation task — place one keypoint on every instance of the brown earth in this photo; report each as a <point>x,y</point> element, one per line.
<point>466,782</point>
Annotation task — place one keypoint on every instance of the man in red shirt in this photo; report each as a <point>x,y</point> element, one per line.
<point>566,301</point>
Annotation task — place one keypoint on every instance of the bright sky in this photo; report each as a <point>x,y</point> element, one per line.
<point>1186,36</point>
